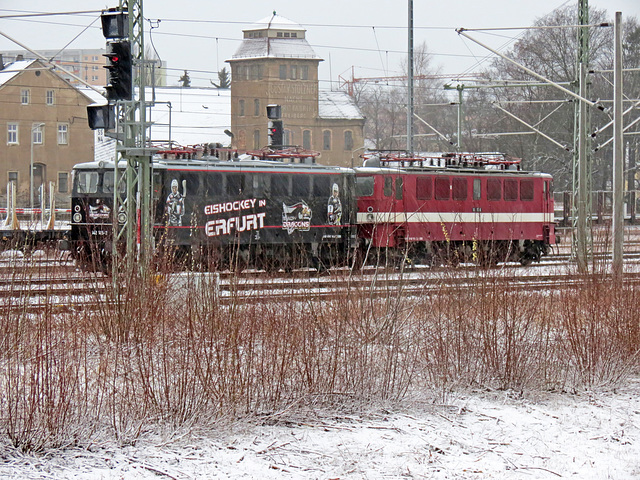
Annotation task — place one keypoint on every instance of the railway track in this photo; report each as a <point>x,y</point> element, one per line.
<point>36,284</point>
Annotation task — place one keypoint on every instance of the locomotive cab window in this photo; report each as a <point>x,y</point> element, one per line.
<point>526,190</point>
<point>87,182</point>
<point>424,188</point>
<point>364,186</point>
<point>107,183</point>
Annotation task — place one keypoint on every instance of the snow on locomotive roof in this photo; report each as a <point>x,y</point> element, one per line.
<point>213,163</point>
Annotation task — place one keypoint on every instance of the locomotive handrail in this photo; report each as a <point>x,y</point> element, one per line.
<point>287,151</point>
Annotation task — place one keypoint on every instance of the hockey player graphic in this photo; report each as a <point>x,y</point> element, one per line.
<point>334,206</point>
<point>175,203</point>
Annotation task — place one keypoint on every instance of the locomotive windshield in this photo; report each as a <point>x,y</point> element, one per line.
<point>87,182</point>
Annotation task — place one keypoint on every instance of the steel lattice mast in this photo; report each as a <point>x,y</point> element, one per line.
<point>582,245</point>
<point>132,198</point>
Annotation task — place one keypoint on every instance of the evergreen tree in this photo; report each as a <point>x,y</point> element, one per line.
<point>223,79</point>
<point>186,81</point>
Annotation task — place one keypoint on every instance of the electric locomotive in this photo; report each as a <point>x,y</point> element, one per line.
<point>454,207</point>
<point>262,210</point>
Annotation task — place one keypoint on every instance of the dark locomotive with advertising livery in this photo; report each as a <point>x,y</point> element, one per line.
<point>280,210</point>
<point>249,212</point>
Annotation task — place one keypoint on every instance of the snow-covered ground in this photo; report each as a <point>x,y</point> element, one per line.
<point>484,434</point>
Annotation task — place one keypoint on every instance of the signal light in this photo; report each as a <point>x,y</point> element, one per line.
<point>275,133</point>
<point>115,23</point>
<point>101,116</point>
<point>119,74</point>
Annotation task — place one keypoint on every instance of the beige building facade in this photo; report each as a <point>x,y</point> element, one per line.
<point>276,65</point>
<point>44,123</point>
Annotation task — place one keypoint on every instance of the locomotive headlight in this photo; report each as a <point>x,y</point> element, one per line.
<point>122,218</point>
<point>369,217</point>
<point>77,217</point>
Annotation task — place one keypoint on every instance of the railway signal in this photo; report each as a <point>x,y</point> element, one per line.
<point>119,71</point>
<point>275,133</point>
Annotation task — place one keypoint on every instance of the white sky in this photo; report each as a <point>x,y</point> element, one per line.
<point>369,35</point>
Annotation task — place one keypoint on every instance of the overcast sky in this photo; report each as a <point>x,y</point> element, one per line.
<point>369,35</point>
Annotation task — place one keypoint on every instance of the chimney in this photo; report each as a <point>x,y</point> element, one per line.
<point>19,58</point>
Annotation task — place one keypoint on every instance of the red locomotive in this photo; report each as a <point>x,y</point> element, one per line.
<point>453,207</point>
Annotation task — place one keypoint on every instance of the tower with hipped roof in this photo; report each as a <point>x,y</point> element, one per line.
<point>276,65</point>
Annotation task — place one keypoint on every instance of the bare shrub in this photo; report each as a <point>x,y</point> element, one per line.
<point>170,350</point>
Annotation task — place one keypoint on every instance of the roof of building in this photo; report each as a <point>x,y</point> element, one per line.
<point>270,46</point>
<point>337,105</point>
<point>13,69</point>
<point>275,21</point>
<point>198,115</point>
<point>265,47</point>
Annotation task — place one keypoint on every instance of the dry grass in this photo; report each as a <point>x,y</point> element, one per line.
<point>165,352</point>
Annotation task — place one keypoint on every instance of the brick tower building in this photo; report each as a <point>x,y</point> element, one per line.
<point>276,65</point>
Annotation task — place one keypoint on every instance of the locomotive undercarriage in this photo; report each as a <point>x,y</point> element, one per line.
<point>453,253</point>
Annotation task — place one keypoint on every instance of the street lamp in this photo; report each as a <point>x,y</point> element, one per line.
<point>35,127</point>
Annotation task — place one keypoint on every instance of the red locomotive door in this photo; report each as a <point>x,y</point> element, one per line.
<point>390,218</point>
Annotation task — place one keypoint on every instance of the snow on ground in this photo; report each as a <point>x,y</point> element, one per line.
<point>497,435</point>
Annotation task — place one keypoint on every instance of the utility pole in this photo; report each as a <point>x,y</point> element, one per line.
<point>410,81</point>
<point>582,246</point>
<point>618,151</point>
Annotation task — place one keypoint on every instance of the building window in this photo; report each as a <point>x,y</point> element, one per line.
<point>326,140</point>
<point>36,136</point>
<point>279,34</point>
<point>304,72</point>
<point>287,34</point>
<point>50,97</point>
<point>348,140</point>
<point>288,137</point>
<point>12,134</point>
<point>256,139</point>
<point>256,107</point>
<point>241,107</point>
<point>306,139</point>
<point>95,58</point>
<point>13,177</point>
<point>25,96</point>
<point>294,72</point>
<point>256,72</point>
<point>94,78</point>
<point>63,134</point>
<point>294,35</point>
<point>283,72</point>
<point>63,182</point>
